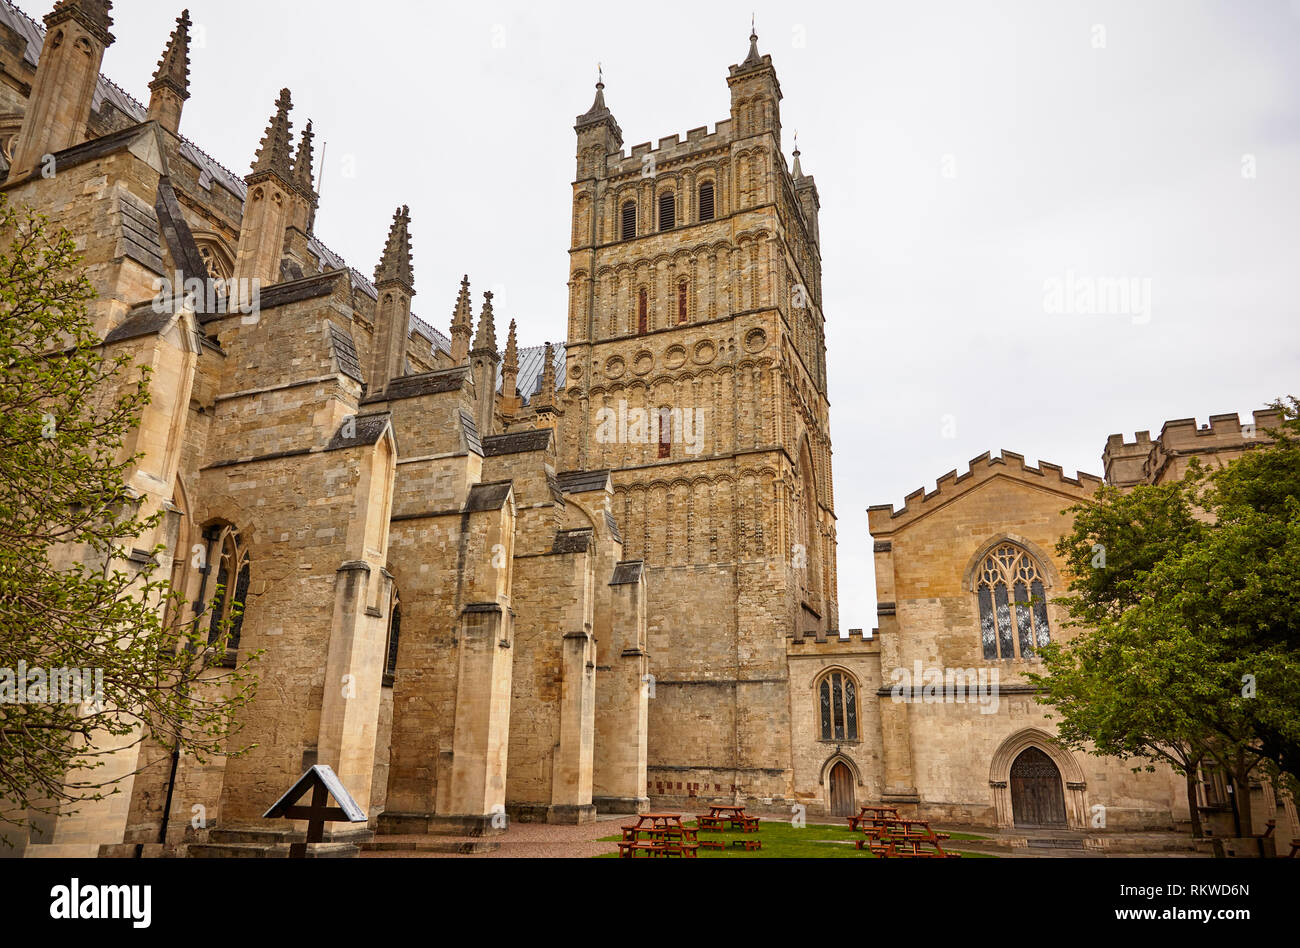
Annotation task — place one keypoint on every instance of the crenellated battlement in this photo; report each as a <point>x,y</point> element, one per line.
<point>831,640</point>
<point>671,148</point>
<point>1148,461</point>
<point>883,518</point>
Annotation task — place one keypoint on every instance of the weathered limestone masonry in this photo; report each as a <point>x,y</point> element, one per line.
<point>333,463</point>
<point>695,296</point>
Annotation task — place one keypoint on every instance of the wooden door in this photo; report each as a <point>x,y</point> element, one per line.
<point>1037,798</point>
<point>842,791</point>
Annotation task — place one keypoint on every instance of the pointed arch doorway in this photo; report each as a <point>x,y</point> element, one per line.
<point>1037,797</point>
<point>841,780</point>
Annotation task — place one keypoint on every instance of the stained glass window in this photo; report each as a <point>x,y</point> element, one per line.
<point>1010,568</point>
<point>227,558</point>
<point>838,697</point>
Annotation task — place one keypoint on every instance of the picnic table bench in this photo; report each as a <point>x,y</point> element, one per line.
<point>720,815</point>
<point>658,834</point>
<point>866,813</point>
<point>896,837</point>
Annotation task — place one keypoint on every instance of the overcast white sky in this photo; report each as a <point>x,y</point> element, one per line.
<point>966,154</point>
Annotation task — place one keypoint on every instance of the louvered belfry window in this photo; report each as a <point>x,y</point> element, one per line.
<point>629,220</point>
<point>706,201</point>
<point>667,211</point>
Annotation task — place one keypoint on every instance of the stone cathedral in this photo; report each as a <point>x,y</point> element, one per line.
<point>535,582</point>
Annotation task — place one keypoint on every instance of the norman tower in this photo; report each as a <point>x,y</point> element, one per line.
<point>696,373</point>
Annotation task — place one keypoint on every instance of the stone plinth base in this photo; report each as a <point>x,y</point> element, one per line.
<point>621,804</point>
<point>432,824</point>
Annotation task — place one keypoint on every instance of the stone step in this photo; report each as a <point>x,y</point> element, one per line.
<point>264,851</point>
<point>268,836</point>
<point>431,844</point>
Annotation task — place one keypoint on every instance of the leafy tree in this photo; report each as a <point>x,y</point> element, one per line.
<point>73,592</point>
<point>1188,595</point>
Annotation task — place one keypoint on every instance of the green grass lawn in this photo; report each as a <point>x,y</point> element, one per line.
<point>783,841</point>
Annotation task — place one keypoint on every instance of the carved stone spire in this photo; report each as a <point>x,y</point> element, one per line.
<point>486,338</point>
<point>395,265</point>
<point>546,397</point>
<point>462,324</point>
<point>600,118</point>
<point>92,14</point>
<point>754,58</point>
<point>510,365</point>
<point>395,281</point>
<point>303,174</point>
<point>485,363</point>
<point>512,348</point>
<point>171,81</point>
<point>273,153</point>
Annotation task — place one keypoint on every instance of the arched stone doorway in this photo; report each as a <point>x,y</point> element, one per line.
<point>1037,797</point>
<point>1069,776</point>
<point>841,782</point>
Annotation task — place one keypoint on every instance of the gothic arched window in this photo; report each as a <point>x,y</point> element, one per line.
<point>227,557</point>
<point>706,201</point>
<point>629,220</point>
<point>1013,607</point>
<point>394,633</point>
<point>837,706</point>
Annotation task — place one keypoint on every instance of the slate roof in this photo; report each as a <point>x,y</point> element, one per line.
<point>579,482</point>
<point>530,369</point>
<point>471,432</point>
<point>140,239</point>
<point>487,496</point>
<point>345,352</point>
<point>629,571</point>
<point>426,383</point>
<point>142,320</point>
<point>368,429</point>
<point>175,230</point>
<point>573,541</point>
<point>516,442</point>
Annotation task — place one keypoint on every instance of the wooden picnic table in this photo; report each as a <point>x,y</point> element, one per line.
<point>903,838</point>
<point>664,835</point>
<point>659,819</point>
<point>720,814</point>
<point>721,809</point>
<point>872,813</point>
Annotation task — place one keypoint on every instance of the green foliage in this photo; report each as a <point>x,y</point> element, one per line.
<point>1190,641</point>
<point>69,595</point>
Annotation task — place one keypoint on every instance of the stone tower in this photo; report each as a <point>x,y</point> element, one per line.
<point>696,373</point>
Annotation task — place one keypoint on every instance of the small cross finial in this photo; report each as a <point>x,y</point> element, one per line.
<point>600,73</point>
